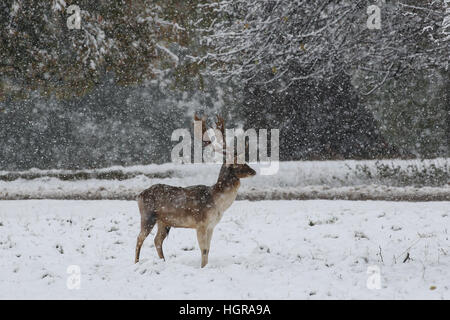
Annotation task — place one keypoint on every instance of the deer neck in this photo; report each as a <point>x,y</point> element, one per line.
<point>225,189</point>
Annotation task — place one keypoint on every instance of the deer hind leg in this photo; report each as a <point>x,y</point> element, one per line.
<point>163,230</point>
<point>147,225</point>
<point>204,240</point>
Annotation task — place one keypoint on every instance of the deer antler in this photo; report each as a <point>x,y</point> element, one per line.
<point>219,147</point>
<point>220,125</point>
<point>204,129</point>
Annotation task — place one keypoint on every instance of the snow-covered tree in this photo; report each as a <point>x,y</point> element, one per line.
<point>39,51</point>
<point>299,63</point>
<point>106,121</point>
<point>303,39</point>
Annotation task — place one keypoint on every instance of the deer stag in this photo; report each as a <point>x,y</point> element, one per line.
<point>197,207</point>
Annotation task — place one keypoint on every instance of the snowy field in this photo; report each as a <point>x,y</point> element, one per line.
<point>314,249</point>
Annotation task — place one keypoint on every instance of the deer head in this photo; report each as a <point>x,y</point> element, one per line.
<point>231,165</point>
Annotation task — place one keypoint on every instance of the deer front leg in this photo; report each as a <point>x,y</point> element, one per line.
<point>160,236</point>
<point>204,240</point>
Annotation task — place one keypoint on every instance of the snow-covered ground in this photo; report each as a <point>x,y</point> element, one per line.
<point>353,180</point>
<point>314,249</point>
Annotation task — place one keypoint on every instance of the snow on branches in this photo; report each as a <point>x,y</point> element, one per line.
<point>41,50</point>
<point>294,40</point>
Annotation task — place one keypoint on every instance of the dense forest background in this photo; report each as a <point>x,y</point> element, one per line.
<point>112,91</point>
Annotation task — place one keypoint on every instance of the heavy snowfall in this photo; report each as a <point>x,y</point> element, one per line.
<point>93,95</point>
